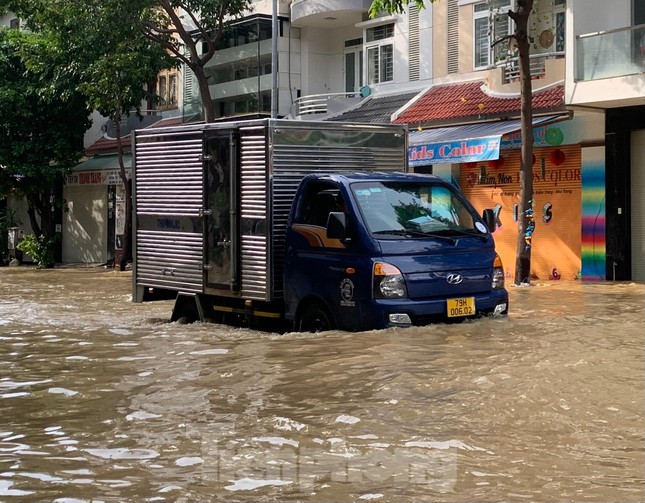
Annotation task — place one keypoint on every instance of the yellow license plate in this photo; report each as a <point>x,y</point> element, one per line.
<point>464,306</point>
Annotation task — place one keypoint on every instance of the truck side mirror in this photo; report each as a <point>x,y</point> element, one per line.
<point>489,219</point>
<point>337,225</point>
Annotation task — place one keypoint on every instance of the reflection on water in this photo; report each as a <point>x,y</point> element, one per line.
<point>103,400</point>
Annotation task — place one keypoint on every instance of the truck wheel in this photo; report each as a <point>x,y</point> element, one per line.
<point>185,310</point>
<point>314,319</point>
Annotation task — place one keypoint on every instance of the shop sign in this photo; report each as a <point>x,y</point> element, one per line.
<point>473,150</point>
<point>111,177</point>
<point>543,136</point>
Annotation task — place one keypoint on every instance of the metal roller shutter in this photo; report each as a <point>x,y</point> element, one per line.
<point>638,204</point>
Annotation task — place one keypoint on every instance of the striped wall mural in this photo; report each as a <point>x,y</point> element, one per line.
<point>593,214</point>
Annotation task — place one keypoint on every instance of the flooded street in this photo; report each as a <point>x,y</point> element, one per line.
<point>104,400</point>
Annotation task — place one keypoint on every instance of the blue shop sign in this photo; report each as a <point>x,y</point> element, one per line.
<point>473,150</point>
<point>478,142</point>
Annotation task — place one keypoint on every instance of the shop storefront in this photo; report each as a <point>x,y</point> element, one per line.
<point>568,240</point>
<point>94,220</point>
<point>556,241</point>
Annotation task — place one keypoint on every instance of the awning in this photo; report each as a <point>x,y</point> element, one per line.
<point>99,170</point>
<point>468,143</point>
<point>103,162</point>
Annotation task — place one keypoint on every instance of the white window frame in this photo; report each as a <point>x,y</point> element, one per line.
<point>354,52</point>
<point>483,17</point>
<point>167,88</point>
<point>560,10</point>
<point>382,71</point>
<point>356,55</point>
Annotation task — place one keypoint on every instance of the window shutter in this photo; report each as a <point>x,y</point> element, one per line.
<point>413,43</point>
<point>453,36</point>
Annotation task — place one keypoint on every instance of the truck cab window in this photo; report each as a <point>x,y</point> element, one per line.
<point>318,204</point>
<point>418,206</point>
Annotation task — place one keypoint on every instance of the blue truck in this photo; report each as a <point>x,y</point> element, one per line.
<point>305,226</point>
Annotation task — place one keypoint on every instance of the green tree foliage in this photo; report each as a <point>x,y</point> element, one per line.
<point>191,31</point>
<point>43,117</point>
<point>119,46</point>
<point>394,6</point>
<point>116,63</point>
<point>520,16</point>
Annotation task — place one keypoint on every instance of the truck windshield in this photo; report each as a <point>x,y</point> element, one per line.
<point>415,209</point>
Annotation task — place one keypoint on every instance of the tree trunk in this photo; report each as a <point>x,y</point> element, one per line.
<point>33,211</point>
<point>205,93</point>
<point>42,221</point>
<point>526,223</point>
<point>127,231</point>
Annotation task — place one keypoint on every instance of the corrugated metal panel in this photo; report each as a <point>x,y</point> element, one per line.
<point>253,172</point>
<point>171,260</point>
<point>413,42</point>
<point>173,158</point>
<point>453,36</point>
<point>168,190</point>
<point>254,267</point>
<point>554,244</point>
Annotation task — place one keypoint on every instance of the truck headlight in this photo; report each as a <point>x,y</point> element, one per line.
<point>388,282</point>
<point>498,274</point>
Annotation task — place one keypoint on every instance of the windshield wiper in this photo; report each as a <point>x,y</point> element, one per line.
<point>418,234</point>
<point>474,234</point>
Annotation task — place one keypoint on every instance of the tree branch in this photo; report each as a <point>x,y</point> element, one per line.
<point>507,37</point>
<point>186,37</point>
<point>514,16</point>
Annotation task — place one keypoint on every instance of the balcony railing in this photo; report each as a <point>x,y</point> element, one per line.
<point>511,66</point>
<point>614,53</point>
<point>323,104</point>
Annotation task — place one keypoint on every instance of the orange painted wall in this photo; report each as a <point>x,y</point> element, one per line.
<point>556,242</point>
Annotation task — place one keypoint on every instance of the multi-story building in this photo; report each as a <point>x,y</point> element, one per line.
<point>606,76</point>
<point>347,57</point>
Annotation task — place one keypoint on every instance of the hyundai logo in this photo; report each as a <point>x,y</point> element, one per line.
<point>454,279</point>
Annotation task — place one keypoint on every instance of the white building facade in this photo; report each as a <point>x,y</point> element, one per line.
<point>606,76</point>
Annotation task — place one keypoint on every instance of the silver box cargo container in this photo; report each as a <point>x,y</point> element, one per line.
<point>211,201</point>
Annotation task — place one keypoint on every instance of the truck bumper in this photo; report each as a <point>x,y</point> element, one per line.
<point>406,312</point>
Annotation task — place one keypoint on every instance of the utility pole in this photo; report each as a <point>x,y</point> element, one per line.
<point>274,60</point>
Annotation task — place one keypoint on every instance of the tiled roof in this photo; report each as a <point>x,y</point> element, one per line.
<point>107,145</point>
<point>375,109</point>
<point>452,103</point>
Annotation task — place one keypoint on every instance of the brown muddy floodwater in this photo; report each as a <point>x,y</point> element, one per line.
<point>103,400</point>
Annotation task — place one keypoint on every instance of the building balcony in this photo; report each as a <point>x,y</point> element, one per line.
<point>609,69</point>
<point>615,53</point>
<point>546,69</point>
<point>328,13</point>
<point>542,66</point>
<point>321,106</point>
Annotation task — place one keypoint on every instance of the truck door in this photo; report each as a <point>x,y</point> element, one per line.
<point>318,267</point>
<point>219,214</point>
